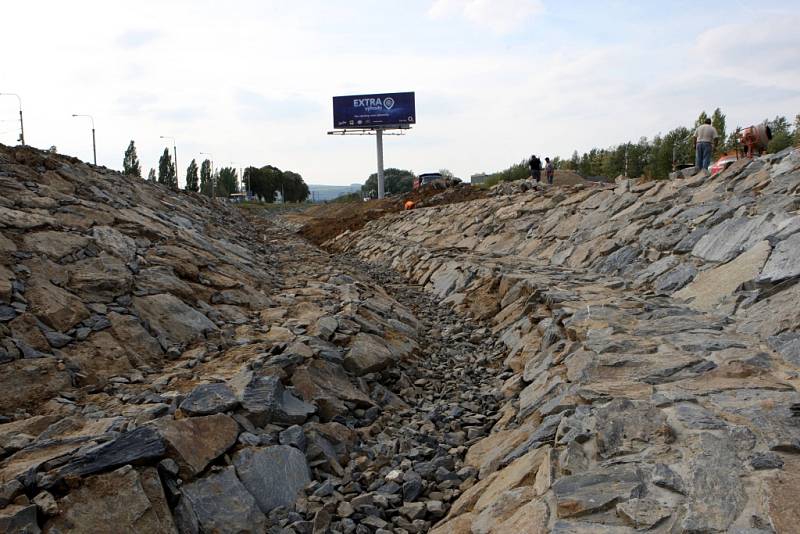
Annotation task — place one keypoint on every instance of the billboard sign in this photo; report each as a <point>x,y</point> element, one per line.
<point>370,111</point>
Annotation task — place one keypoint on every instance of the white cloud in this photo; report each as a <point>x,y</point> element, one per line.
<point>764,55</point>
<point>500,16</point>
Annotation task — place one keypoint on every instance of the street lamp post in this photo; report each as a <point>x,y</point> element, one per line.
<point>94,145</point>
<point>21,126</point>
<point>213,182</point>
<point>174,153</point>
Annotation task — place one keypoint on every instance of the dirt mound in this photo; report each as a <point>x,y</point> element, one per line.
<point>323,222</point>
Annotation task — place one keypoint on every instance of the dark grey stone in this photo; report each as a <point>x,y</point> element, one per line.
<point>665,477</point>
<point>766,460</point>
<point>265,400</point>
<point>275,476</point>
<point>18,519</point>
<point>57,339</point>
<point>220,503</point>
<point>787,345</point>
<point>294,437</point>
<point>138,446</point>
<point>783,262</point>
<point>7,313</point>
<point>208,399</point>
<point>596,491</point>
<point>675,279</point>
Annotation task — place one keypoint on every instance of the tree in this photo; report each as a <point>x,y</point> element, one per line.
<point>151,176</point>
<point>191,177</point>
<point>446,173</point>
<point>206,180</point>
<point>166,170</point>
<point>718,122</point>
<point>227,182</point>
<point>797,129</point>
<point>701,119</point>
<point>130,163</point>
<point>781,135</point>
<point>395,181</point>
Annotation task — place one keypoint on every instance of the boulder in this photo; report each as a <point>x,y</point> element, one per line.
<point>57,308</point>
<point>172,321</point>
<point>114,242</point>
<point>596,491</point>
<point>327,385</point>
<point>194,442</point>
<point>784,262</point>
<point>275,476</point>
<point>142,348</point>
<point>55,245</point>
<point>208,399</point>
<point>28,383</point>
<point>100,279</point>
<point>265,400</point>
<point>124,500</point>
<point>368,354</point>
<point>19,519</point>
<point>220,503</point>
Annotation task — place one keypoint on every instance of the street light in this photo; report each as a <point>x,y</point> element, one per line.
<point>94,146</point>
<point>213,182</point>
<point>175,153</point>
<point>21,127</point>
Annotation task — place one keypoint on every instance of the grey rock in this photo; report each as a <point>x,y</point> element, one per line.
<point>582,527</point>
<point>265,400</point>
<point>788,345</point>
<point>220,503</point>
<point>675,279</point>
<point>294,437</point>
<point>208,399</point>
<point>367,354</point>
<point>595,491</point>
<point>57,339</point>
<point>766,460</point>
<point>275,476</point>
<point>172,321</point>
<point>783,262</point>
<point>665,477</point>
<point>19,519</point>
<point>729,238</point>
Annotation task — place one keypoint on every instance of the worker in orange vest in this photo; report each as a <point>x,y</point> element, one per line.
<point>409,205</point>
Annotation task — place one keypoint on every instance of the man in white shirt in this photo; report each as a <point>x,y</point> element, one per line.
<point>705,138</point>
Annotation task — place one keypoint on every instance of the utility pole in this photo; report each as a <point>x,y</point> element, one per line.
<point>379,140</point>
<point>21,126</point>
<point>94,145</point>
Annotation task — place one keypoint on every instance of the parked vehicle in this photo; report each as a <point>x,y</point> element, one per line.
<point>723,163</point>
<point>434,179</point>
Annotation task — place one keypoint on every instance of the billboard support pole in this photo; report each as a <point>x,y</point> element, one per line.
<point>379,141</point>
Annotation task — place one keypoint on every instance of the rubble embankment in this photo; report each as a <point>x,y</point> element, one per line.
<point>167,365</point>
<point>652,344</point>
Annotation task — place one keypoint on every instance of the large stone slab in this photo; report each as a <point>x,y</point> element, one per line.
<point>596,491</point>
<point>710,287</point>
<point>732,237</point>
<point>265,400</point>
<point>19,519</point>
<point>327,385</point>
<point>56,245</point>
<point>208,399</point>
<point>57,308</point>
<point>784,262</point>
<point>173,322</point>
<point>367,354</point>
<point>121,501</point>
<point>220,503</point>
<point>100,279</point>
<point>28,383</point>
<point>193,443</point>
<point>275,476</point>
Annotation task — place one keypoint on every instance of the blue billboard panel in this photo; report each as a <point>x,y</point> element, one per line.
<point>369,111</point>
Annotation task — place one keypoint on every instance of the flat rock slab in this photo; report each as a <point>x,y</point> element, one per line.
<point>326,384</point>
<point>196,441</point>
<point>121,501</point>
<point>220,503</point>
<point>368,354</point>
<point>173,322</point>
<point>22,519</point>
<point>709,287</point>
<point>596,491</point>
<point>275,476</point>
<point>265,400</point>
<point>784,262</point>
<point>208,399</point>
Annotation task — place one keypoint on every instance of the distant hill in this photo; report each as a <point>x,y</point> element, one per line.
<point>322,193</point>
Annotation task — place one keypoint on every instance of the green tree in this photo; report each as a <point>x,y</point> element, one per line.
<point>206,180</point>
<point>701,119</point>
<point>130,163</point>
<point>166,170</point>
<point>797,129</point>
<point>151,176</point>
<point>718,122</point>
<point>446,173</point>
<point>781,134</point>
<point>395,181</point>
<point>192,183</point>
<point>227,182</point>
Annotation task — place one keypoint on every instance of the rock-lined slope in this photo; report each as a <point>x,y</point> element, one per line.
<point>653,339</point>
<point>169,365</point>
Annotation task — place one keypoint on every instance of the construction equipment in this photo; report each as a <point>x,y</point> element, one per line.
<point>754,139</point>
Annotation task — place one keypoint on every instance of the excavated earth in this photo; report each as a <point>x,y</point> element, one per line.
<point>575,359</point>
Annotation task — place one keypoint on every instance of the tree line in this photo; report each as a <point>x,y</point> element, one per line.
<point>266,183</point>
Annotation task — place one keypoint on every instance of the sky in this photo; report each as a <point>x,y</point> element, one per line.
<point>250,81</point>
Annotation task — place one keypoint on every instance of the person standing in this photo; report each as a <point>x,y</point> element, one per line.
<point>536,168</point>
<point>549,170</point>
<point>705,138</point>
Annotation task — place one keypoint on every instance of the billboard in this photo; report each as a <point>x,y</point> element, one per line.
<point>370,111</point>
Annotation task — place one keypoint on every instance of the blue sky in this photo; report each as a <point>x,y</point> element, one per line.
<point>251,81</point>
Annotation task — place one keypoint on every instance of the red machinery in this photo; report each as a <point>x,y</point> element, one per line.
<point>754,139</point>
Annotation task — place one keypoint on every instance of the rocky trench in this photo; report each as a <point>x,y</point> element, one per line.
<point>651,382</point>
